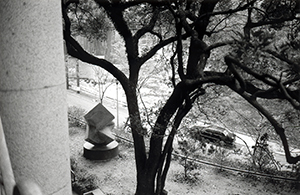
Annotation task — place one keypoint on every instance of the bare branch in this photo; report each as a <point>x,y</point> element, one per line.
<point>272,81</point>
<point>281,57</point>
<point>173,67</point>
<point>251,72</point>
<point>157,47</point>
<point>273,21</point>
<point>278,128</point>
<point>235,73</point>
<point>75,50</point>
<point>184,23</point>
<point>219,44</point>
<point>156,34</point>
<point>230,11</point>
<point>294,103</point>
<point>210,77</point>
<point>149,27</point>
<point>131,44</point>
<point>179,49</point>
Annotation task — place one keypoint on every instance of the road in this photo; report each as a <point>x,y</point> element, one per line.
<point>275,148</point>
<point>88,102</point>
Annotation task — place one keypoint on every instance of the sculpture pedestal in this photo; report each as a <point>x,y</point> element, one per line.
<point>96,152</point>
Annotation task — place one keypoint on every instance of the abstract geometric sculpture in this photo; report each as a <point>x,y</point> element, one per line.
<point>100,143</point>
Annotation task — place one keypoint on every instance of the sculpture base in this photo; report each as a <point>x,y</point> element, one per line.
<point>95,152</point>
<point>94,192</point>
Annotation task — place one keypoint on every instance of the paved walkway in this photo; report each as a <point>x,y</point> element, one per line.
<point>88,102</point>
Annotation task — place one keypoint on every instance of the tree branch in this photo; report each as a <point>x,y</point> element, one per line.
<point>283,58</point>
<point>294,103</point>
<point>278,128</point>
<point>210,77</point>
<point>149,27</point>
<point>178,25</point>
<point>127,4</point>
<point>273,21</point>
<point>157,47</point>
<point>251,72</point>
<point>181,113</point>
<point>173,67</point>
<point>235,73</point>
<point>219,44</point>
<point>270,80</point>
<point>230,11</point>
<point>116,15</point>
<point>75,50</point>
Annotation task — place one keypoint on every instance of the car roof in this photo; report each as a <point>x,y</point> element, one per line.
<point>211,127</point>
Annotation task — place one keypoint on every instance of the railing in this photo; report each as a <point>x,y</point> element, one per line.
<point>223,167</point>
<point>8,184</point>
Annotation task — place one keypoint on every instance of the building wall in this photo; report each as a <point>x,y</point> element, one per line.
<point>33,104</point>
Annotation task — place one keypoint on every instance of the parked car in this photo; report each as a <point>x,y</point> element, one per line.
<point>214,134</point>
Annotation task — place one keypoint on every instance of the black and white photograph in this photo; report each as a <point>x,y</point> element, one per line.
<point>149,97</point>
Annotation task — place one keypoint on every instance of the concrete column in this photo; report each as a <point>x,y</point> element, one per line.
<point>33,93</point>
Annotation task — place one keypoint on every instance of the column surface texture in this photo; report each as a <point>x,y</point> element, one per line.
<point>32,93</point>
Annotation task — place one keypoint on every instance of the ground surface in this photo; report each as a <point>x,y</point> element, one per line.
<point>117,176</point>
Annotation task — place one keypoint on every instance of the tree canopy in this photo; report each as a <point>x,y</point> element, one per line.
<point>250,46</point>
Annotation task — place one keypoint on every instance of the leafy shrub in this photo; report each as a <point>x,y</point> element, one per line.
<point>191,179</point>
<point>220,157</point>
<point>187,149</point>
<point>296,169</point>
<point>74,130</point>
<point>83,181</point>
<point>75,116</point>
<point>262,157</point>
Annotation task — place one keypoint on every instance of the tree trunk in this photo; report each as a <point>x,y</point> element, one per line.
<point>145,185</point>
<point>155,169</point>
